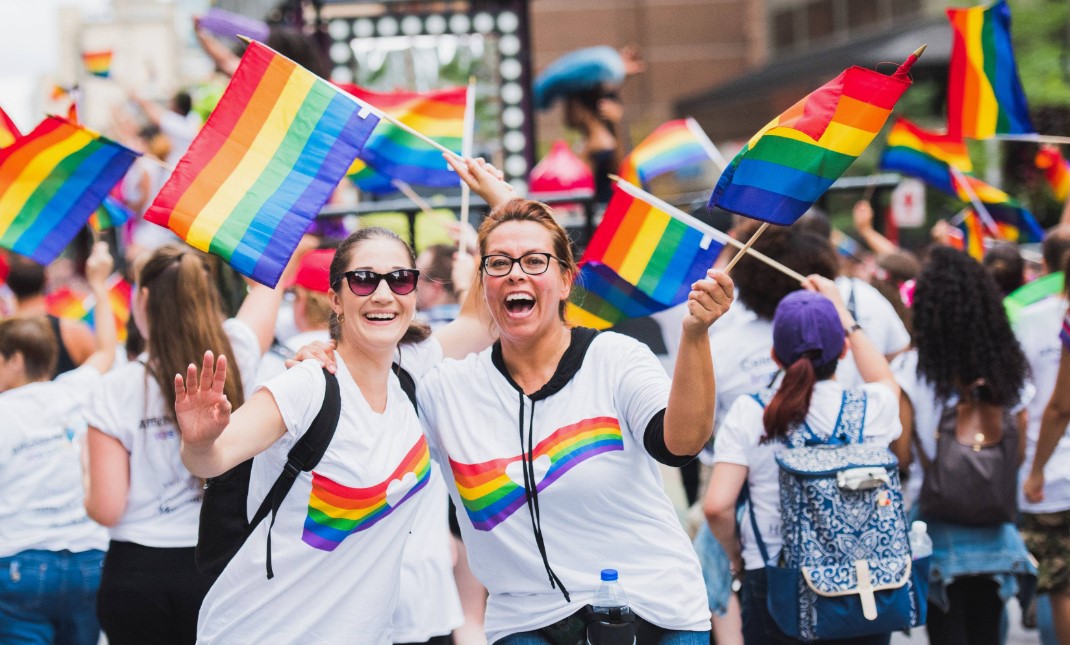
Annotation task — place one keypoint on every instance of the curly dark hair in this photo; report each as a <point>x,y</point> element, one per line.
<point>761,287</point>
<point>961,331</point>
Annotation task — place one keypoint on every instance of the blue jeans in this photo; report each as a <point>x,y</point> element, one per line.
<point>671,637</point>
<point>50,597</point>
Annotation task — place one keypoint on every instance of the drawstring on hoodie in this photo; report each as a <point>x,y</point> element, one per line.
<point>531,495</point>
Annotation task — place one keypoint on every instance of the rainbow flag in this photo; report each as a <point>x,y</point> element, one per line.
<point>493,490</point>
<point>1056,170</point>
<point>98,63</point>
<point>393,153</point>
<point>969,236</point>
<point>1013,222</point>
<point>9,132</point>
<point>984,93</point>
<point>112,213</point>
<point>335,511</point>
<point>922,153</point>
<point>68,303</point>
<point>672,146</point>
<point>51,181</point>
<point>794,159</point>
<point>640,260</point>
<point>263,165</point>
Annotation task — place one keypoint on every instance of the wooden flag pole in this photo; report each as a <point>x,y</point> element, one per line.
<point>407,190</point>
<point>466,152</point>
<point>699,225</point>
<point>746,247</point>
<point>1035,138</point>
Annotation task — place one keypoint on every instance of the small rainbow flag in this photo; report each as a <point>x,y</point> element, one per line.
<point>1056,170</point>
<point>335,511</point>
<point>98,63</point>
<point>921,153</point>
<point>112,213</point>
<point>51,181</point>
<point>984,94</point>
<point>1014,223</point>
<point>74,305</point>
<point>672,146</point>
<point>491,492</point>
<point>263,165</point>
<point>794,159</point>
<point>640,260</point>
<point>396,154</point>
<point>969,236</point>
<point>9,132</point>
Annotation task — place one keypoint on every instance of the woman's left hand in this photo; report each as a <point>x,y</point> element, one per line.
<point>709,299</point>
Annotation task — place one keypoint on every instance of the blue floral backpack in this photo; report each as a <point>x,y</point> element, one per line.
<point>845,569</point>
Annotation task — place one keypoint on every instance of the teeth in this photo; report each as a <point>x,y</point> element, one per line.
<point>518,296</point>
<point>381,316</point>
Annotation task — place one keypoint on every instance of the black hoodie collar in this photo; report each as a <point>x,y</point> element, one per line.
<point>570,363</point>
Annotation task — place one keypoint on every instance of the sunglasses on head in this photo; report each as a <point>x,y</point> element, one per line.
<point>364,283</point>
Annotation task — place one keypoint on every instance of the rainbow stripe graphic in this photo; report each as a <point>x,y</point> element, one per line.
<point>51,181</point>
<point>640,260</point>
<point>98,63</point>
<point>1056,170</point>
<point>984,94</point>
<point>672,146</point>
<point>794,159</point>
<point>336,511</point>
<point>263,165</point>
<point>490,495</point>
<point>392,153</point>
<point>9,132</point>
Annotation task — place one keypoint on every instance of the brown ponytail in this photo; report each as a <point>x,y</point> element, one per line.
<point>791,403</point>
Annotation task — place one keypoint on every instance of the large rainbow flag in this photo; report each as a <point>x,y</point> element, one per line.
<point>1056,170</point>
<point>51,181</point>
<point>670,147</point>
<point>794,159</point>
<point>9,132</point>
<point>98,63</point>
<point>640,260</point>
<point>392,153</point>
<point>263,165</point>
<point>984,94</point>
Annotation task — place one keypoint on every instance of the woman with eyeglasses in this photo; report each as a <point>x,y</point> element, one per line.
<point>338,537</point>
<point>552,439</point>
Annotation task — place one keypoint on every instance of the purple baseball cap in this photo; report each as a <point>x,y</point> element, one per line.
<point>807,321</point>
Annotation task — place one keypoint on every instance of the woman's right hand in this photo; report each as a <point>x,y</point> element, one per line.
<point>828,288</point>
<point>484,179</point>
<point>323,353</point>
<point>201,407</point>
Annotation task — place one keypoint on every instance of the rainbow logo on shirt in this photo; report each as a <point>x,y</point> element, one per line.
<point>494,490</point>
<point>336,511</point>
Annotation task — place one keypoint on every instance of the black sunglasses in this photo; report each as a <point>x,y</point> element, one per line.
<point>364,283</point>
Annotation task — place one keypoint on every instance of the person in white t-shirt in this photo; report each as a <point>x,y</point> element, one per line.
<point>809,332</point>
<point>151,589</point>
<point>549,441</point>
<point>50,552</point>
<point>338,537</point>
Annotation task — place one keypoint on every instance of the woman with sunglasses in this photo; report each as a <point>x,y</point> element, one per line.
<point>552,437</point>
<point>337,540</point>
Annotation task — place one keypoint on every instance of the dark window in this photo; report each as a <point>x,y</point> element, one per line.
<point>905,7</point>
<point>820,19</point>
<point>784,30</point>
<point>861,12</point>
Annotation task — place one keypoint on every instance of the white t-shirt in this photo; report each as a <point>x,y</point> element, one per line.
<point>742,358</point>
<point>1037,328</point>
<point>739,442</point>
<point>181,131</point>
<point>337,542</point>
<point>42,504</point>
<point>272,363</point>
<point>164,502</point>
<point>927,412</point>
<point>429,604</point>
<point>877,316</point>
<point>600,493</point>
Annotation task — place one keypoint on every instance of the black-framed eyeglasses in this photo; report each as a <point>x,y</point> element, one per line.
<point>534,263</point>
<point>364,283</point>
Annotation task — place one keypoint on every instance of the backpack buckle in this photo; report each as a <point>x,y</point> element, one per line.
<point>291,469</point>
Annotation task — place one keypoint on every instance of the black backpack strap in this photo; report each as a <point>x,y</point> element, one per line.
<point>408,384</point>
<point>303,456</point>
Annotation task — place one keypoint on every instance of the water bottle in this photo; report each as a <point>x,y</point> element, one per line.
<point>612,621</point>
<point>921,546</point>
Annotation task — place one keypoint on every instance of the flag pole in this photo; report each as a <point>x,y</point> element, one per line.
<point>705,142</point>
<point>699,225</point>
<point>407,190</point>
<point>466,152</point>
<point>379,113</point>
<point>1034,138</point>
<point>986,217</point>
<point>746,247</point>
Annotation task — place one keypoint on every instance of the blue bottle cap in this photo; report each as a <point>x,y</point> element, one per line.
<point>609,575</point>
